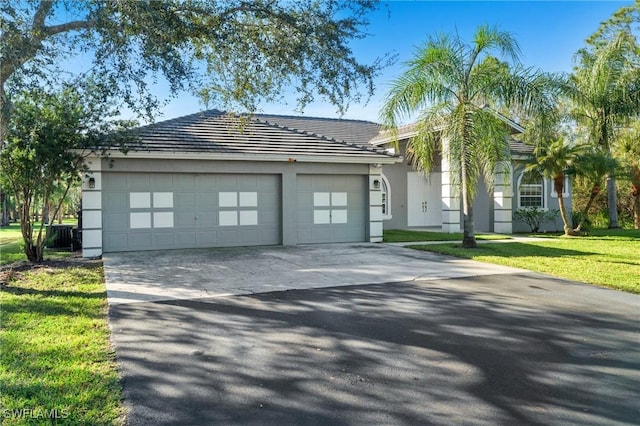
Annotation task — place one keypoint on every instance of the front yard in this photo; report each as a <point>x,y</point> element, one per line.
<point>56,362</point>
<point>608,258</point>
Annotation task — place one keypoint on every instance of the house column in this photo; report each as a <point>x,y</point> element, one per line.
<point>92,209</point>
<point>503,201</point>
<point>450,196</point>
<point>289,206</point>
<point>375,203</point>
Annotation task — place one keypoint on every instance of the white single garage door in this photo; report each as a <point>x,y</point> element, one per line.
<point>332,208</point>
<point>156,211</point>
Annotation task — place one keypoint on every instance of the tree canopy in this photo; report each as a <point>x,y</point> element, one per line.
<point>234,52</point>
<point>43,154</point>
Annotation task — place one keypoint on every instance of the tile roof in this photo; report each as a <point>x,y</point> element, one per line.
<point>351,131</point>
<point>519,147</point>
<point>215,131</point>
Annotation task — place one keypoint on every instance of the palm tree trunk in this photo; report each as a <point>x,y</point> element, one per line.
<point>558,183</point>
<point>612,202</point>
<point>635,192</point>
<point>594,193</point>
<point>468,233</point>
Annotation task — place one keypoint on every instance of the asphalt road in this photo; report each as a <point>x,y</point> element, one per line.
<point>494,349</point>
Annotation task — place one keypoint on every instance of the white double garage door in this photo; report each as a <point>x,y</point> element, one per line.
<point>156,211</point>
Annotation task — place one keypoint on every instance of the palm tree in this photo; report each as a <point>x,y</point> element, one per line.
<point>593,167</point>
<point>447,84</point>
<point>605,91</point>
<point>629,149</point>
<point>554,160</point>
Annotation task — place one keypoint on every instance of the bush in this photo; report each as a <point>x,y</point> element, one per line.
<point>535,217</point>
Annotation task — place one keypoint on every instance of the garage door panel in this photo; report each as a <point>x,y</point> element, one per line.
<point>227,183</point>
<point>163,240</point>
<point>184,182</point>
<point>117,240</point>
<point>207,220</point>
<point>206,184</point>
<point>116,201</point>
<point>139,240</point>
<point>247,236</point>
<point>185,239</point>
<point>116,222</point>
<point>247,183</point>
<point>161,181</point>
<point>185,201</point>
<point>332,208</point>
<point>227,237</point>
<point>267,236</point>
<point>207,201</point>
<point>207,238</point>
<point>184,212</point>
<point>139,182</point>
<point>268,185</point>
<point>269,219</point>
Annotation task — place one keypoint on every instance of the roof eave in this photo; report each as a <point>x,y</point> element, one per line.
<point>360,159</point>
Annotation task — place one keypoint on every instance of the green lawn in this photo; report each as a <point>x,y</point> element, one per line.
<point>609,258</point>
<point>404,236</point>
<point>55,357</point>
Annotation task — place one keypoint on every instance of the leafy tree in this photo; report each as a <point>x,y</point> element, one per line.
<point>605,86</point>
<point>554,160</point>
<point>448,82</point>
<point>235,52</point>
<point>592,167</point>
<point>44,150</point>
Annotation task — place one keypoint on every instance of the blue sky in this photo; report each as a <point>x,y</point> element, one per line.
<point>549,33</point>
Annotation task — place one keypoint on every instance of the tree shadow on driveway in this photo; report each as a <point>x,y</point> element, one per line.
<point>510,349</point>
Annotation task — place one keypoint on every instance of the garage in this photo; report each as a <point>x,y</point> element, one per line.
<point>151,211</point>
<point>331,209</point>
<point>213,179</point>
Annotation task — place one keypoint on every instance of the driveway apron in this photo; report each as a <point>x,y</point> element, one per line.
<point>363,334</point>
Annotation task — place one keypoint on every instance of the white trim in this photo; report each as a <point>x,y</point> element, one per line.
<point>300,158</point>
<point>385,202</point>
<point>543,195</point>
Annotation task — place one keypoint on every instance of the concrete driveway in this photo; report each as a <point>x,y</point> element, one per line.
<point>187,274</point>
<point>394,336</point>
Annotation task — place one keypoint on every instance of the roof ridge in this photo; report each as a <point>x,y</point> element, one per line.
<point>209,113</point>
<point>367,148</point>
<point>302,117</point>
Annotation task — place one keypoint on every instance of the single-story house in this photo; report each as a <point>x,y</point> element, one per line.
<point>213,179</point>
<point>413,199</point>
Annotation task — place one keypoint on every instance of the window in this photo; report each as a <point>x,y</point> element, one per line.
<point>531,190</point>
<point>386,199</point>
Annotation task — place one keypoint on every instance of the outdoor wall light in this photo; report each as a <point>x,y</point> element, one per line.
<point>376,184</point>
<point>92,183</point>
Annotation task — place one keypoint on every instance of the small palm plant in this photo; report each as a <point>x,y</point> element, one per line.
<point>555,160</point>
<point>593,167</point>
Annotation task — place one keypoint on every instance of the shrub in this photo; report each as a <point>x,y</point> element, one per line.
<point>535,217</point>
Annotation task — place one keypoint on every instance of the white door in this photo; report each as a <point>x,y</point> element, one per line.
<point>424,204</point>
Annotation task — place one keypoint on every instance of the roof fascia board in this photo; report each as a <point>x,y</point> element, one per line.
<point>363,159</point>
